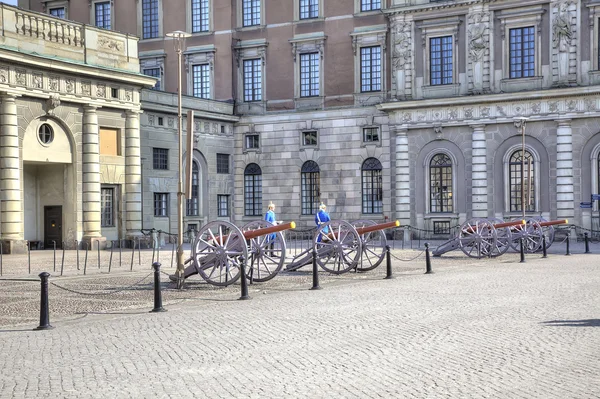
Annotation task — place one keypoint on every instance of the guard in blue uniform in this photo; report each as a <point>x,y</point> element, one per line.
<point>322,217</point>
<point>270,217</point>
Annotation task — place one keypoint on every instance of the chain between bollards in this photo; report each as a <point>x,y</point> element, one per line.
<point>522,250</point>
<point>587,243</point>
<point>544,252</point>
<point>244,282</point>
<point>157,293</point>
<point>427,260</point>
<point>568,245</point>
<point>44,308</point>
<point>315,272</point>
<point>388,263</point>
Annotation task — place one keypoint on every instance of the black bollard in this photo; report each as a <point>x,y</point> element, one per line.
<point>98,242</point>
<point>545,254</point>
<point>87,248</point>
<point>587,243</point>
<point>388,260</point>
<point>29,255</point>
<point>120,251</point>
<point>139,250</point>
<point>44,308</point>
<point>315,271</point>
<point>112,247</point>
<point>427,260</point>
<point>244,282</point>
<point>522,250</point>
<point>133,254</point>
<point>62,262</point>
<point>158,307</point>
<point>568,245</point>
<point>77,250</point>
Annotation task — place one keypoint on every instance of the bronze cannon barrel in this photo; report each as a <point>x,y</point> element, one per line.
<point>377,227</point>
<point>554,222</point>
<point>268,230</point>
<point>509,224</point>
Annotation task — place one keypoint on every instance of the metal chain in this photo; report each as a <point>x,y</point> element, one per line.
<point>101,293</point>
<point>407,260</point>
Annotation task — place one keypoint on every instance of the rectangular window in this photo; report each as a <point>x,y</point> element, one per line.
<point>199,16</point>
<point>160,158</point>
<point>309,75</point>
<point>161,204</point>
<point>58,12</point>
<point>252,80</point>
<point>107,206</point>
<point>370,69</point>
<point>251,12</point>
<point>223,205</point>
<point>309,9</point>
<point>440,60</point>
<point>201,80</point>
<point>370,134</point>
<point>102,14</point>
<point>522,52</point>
<point>309,138</point>
<point>370,5</point>
<point>155,73</point>
<point>222,163</point>
<point>252,141</point>
<point>149,19</point>
<point>109,142</point>
<point>441,227</point>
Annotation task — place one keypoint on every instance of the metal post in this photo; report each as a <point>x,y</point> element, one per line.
<point>568,246</point>
<point>587,243</point>
<point>98,248</point>
<point>132,255</point>
<point>153,247</point>
<point>388,259</point>
<point>112,248</point>
<point>1,255</point>
<point>54,244</point>
<point>158,247</point>
<point>544,253</point>
<point>427,260</point>
<point>87,248</point>
<point>244,281</point>
<point>157,292</point>
<point>77,249</point>
<point>62,263</point>
<point>522,246</point>
<point>139,249</point>
<point>44,308</point>
<point>315,271</point>
<point>29,256</point>
<point>120,251</point>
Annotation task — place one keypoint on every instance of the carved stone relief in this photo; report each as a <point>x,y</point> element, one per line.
<point>171,122</point>
<point>561,29</point>
<point>38,81</point>
<point>86,88</point>
<point>110,44</point>
<point>478,44</point>
<point>70,85</point>
<point>3,75</point>
<point>21,77</point>
<point>53,83</point>
<point>101,90</point>
<point>128,95</point>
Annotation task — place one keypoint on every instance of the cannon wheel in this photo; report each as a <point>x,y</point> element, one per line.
<point>477,238</point>
<point>263,262</point>
<point>217,253</point>
<point>373,246</point>
<point>338,246</point>
<point>548,231</point>
<point>503,238</point>
<point>531,232</point>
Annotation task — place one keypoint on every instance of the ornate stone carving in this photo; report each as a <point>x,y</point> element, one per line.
<point>151,120</point>
<point>402,45</point>
<point>437,130</point>
<point>453,114</point>
<point>572,105</point>
<point>561,28</point>
<point>3,75</point>
<point>536,108</point>
<point>110,44</point>
<point>38,81</point>
<point>196,126</point>
<point>484,112</point>
<point>553,106</point>
<point>171,122</point>
<point>406,117</point>
<point>215,128</point>
<point>519,109</point>
<point>477,41</point>
<point>53,83</point>
<point>468,113</point>
<point>422,116</point>
<point>128,95</point>
<point>86,88</point>
<point>500,110</point>
<point>21,77</point>
<point>590,104</point>
<point>70,85</point>
<point>206,127</point>
<point>52,103</point>
<point>101,90</point>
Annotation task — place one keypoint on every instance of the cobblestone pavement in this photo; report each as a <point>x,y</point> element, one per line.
<point>494,328</point>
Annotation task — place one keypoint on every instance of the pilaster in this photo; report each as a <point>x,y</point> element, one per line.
<point>479,183</point>
<point>564,170</point>
<point>403,211</point>
<point>133,175</point>
<point>91,175</point>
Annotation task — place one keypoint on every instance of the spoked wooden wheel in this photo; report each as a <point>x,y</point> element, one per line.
<point>266,253</point>
<point>548,231</point>
<point>477,238</point>
<point>218,251</point>
<point>338,246</point>
<point>373,246</point>
<point>530,232</point>
<point>503,238</point>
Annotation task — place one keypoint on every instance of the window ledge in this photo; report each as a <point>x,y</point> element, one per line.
<point>206,33</point>
<point>521,84</point>
<point>440,216</point>
<point>309,103</point>
<point>249,28</point>
<point>309,20</point>
<point>440,91</point>
<point>367,13</point>
<point>154,39</point>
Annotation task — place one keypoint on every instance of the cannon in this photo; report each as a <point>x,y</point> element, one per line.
<point>532,234</point>
<point>340,246</point>
<point>220,247</point>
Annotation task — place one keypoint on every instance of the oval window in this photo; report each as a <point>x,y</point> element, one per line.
<point>46,134</point>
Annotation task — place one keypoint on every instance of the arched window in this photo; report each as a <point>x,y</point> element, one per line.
<point>372,190</point>
<point>440,184</point>
<point>521,177</point>
<point>311,191</point>
<point>252,190</point>
<point>193,203</point>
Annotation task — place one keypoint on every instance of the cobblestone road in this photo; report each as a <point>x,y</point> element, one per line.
<point>493,329</point>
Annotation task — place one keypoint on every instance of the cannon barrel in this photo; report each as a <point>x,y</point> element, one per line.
<point>377,227</point>
<point>248,235</point>
<point>509,224</point>
<point>554,222</point>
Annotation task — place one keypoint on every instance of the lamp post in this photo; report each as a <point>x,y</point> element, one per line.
<point>520,124</point>
<point>179,41</point>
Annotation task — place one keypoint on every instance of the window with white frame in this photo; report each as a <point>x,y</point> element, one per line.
<point>193,202</point>
<point>252,141</point>
<point>370,69</point>
<point>370,5</point>
<point>200,16</point>
<point>102,14</point>
<point>372,186</point>
<point>440,184</point>
<point>309,75</point>
<point>161,204</point>
<point>155,73</point>
<point>222,205</point>
<point>253,190</point>
<point>201,80</point>
<point>150,19</point>
<point>521,180</point>
<point>522,52</point>
<point>252,80</point>
<point>107,206</point>
<point>251,12</point>
<point>310,187</point>
<point>440,60</point>
<point>58,12</point>
<point>309,9</point>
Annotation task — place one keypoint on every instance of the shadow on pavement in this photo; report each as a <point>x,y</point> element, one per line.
<point>574,323</point>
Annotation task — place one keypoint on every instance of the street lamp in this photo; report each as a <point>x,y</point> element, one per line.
<point>179,41</point>
<point>520,124</point>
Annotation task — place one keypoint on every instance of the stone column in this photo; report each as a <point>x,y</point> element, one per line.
<point>565,205</point>
<point>133,175</point>
<point>10,177</point>
<point>479,183</point>
<point>403,210</point>
<point>91,175</point>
